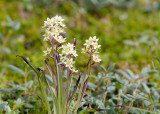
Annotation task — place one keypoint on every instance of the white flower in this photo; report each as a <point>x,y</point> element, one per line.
<point>96,46</point>
<point>71,46</point>
<point>48,51</point>
<point>66,57</point>
<point>73,70</point>
<point>69,62</point>
<point>58,19</point>
<point>46,36</point>
<point>59,39</point>
<point>96,58</point>
<point>74,52</point>
<point>48,22</point>
<point>93,39</point>
<point>88,43</point>
<point>92,42</point>
<point>56,30</point>
<point>91,45</point>
<point>62,24</point>
<point>68,49</point>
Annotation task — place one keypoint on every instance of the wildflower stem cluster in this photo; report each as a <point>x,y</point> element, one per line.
<point>60,57</point>
<point>64,56</point>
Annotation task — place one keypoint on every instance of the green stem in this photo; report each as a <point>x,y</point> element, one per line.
<point>60,91</point>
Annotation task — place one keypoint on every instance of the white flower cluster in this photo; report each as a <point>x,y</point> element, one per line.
<point>66,57</point>
<point>54,27</point>
<point>92,47</point>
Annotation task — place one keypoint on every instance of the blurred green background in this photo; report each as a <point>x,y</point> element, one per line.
<point>128,30</point>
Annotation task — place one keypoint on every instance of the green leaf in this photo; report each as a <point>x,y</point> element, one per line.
<point>8,110</point>
<point>131,74</point>
<point>5,90</point>
<point>130,96</point>
<point>30,72</point>
<point>129,42</point>
<point>110,88</point>
<point>16,69</point>
<point>91,86</point>
<point>100,104</point>
<point>146,88</point>
<point>122,95</point>
<point>29,106</point>
<point>118,78</point>
<point>16,25</point>
<point>49,78</point>
<point>2,105</point>
<point>18,104</point>
<point>111,67</point>
<point>103,68</point>
<point>30,65</point>
<point>143,39</point>
<point>146,71</point>
<point>125,74</point>
<point>19,88</point>
<point>29,84</point>
<point>81,104</point>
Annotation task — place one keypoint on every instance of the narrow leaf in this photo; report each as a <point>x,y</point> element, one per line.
<point>103,68</point>
<point>111,67</point>
<point>16,69</point>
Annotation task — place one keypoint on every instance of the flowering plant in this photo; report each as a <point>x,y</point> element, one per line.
<point>63,57</point>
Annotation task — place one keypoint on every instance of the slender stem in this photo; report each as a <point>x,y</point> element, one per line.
<point>67,88</point>
<point>55,64</point>
<point>86,81</point>
<point>90,66</point>
<point>60,91</point>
